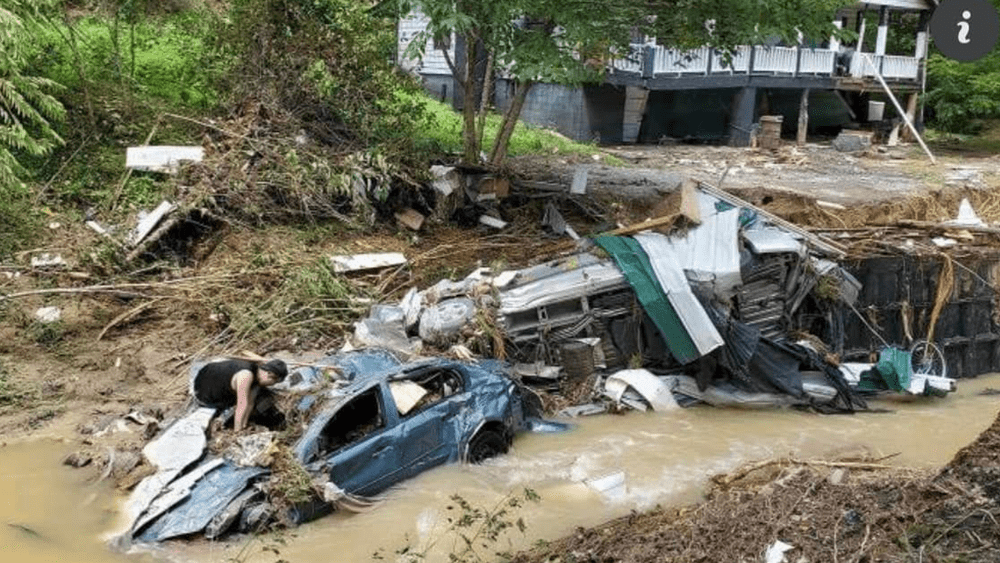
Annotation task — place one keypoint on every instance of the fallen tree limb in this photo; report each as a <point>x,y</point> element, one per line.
<point>740,473</point>
<point>128,315</point>
<point>72,290</point>
<point>124,289</point>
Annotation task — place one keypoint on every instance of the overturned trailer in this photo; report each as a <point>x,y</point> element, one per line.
<point>741,300</point>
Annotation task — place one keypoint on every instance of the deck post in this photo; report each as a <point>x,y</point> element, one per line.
<point>635,108</point>
<point>834,42</point>
<point>911,114</point>
<point>861,31</point>
<point>883,31</point>
<point>741,124</point>
<point>800,138</point>
<point>921,49</point>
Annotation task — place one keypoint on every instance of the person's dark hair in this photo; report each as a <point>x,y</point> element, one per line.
<point>277,367</point>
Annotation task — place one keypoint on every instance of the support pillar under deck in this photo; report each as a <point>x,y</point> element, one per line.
<point>744,109</point>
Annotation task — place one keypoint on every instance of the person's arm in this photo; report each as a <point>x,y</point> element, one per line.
<point>243,385</point>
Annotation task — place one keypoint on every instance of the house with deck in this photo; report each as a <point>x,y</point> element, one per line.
<point>659,93</point>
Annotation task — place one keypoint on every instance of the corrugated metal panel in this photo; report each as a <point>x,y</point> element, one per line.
<point>635,264</point>
<point>770,241</point>
<point>675,285</point>
<point>709,253</point>
<point>575,283</point>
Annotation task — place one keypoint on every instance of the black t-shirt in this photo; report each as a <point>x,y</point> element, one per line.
<point>213,384</point>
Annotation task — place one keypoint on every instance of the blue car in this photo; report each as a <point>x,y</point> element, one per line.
<point>387,422</point>
<point>383,429</point>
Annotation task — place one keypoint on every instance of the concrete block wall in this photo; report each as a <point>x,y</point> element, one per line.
<point>588,113</point>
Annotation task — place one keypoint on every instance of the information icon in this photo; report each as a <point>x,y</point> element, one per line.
<point>965,30</point>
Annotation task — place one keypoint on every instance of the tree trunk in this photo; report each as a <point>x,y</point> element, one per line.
<point>800,137</point>
<point>484,101</point>
<point>469,136</point>
<point>499,152</point>
<point>71,41</point>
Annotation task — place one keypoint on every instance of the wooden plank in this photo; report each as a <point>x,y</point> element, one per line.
<point>161,158</point>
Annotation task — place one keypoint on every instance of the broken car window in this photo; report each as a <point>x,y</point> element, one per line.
<point>361,416</point>
<point>417,392</point>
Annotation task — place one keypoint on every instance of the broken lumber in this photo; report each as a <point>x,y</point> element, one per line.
<point>687,208</point>
<point>913,224</point>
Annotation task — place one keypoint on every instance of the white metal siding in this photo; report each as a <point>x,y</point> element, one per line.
<point>433,61</point>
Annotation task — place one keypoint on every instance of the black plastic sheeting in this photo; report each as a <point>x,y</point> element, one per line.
<point>760,364</point>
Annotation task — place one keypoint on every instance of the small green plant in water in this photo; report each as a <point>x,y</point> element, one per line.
<point>475,531</point>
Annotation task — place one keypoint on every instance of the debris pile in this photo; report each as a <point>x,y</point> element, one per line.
<point>717,307</point>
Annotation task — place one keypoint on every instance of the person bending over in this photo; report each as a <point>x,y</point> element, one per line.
<point>225,383</point>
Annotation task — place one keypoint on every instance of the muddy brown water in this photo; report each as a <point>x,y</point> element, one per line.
<point>49,512</point>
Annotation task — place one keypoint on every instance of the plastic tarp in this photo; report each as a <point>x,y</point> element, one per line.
<point>673,282</point>
<point>634,263</point>
<point>892,371</point>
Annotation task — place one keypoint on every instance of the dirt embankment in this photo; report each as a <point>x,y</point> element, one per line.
<point>847,510</point>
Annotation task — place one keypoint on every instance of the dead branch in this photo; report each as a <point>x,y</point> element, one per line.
<point>127,315</point>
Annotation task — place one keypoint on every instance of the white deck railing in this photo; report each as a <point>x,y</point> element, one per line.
<point>670,61</point>
<point>861,68</point>
<point>633,62</point>
<point>778,61</point>
<point>739,64</point>
<point>817,61</point>
<point>774,60</point>
<point>900,67</point>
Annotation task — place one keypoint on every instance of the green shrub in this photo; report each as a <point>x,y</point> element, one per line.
<point>173,58</point>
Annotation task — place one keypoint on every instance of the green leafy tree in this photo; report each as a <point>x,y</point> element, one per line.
<point>962,96</point>
<point>27,109</point>
<point>569,41</point>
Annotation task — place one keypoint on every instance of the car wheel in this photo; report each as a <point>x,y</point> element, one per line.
<point>485,445</point>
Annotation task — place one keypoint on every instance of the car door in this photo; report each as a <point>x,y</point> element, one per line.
<point>431,429</point>
<point>362,443</point>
